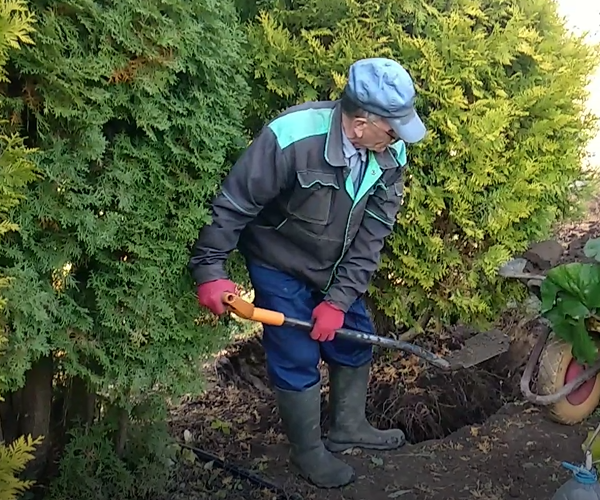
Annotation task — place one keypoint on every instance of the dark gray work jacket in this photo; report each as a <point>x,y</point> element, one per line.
<point>289,202</point>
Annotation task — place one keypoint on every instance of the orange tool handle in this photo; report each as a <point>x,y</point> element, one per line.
<point>246,310</point>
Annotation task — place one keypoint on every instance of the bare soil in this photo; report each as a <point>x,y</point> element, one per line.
<point>471,435</point>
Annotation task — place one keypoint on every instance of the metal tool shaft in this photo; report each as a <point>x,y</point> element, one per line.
<point>367,338</point>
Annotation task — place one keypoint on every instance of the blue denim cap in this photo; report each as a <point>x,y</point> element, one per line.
<point>383,87</point>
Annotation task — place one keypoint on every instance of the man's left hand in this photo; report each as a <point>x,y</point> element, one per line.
<point>327,319</point>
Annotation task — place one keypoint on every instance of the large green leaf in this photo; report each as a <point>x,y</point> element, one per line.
<point>580,281</point>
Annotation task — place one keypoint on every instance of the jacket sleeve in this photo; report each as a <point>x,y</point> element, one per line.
<point>257,177</point>
<point>362,258</point>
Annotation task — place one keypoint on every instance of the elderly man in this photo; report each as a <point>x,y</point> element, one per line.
<point>309,205</point>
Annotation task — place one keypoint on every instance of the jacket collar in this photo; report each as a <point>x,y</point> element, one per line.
<point>334,149</point>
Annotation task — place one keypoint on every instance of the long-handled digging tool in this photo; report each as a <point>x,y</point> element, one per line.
<point>476,350</point>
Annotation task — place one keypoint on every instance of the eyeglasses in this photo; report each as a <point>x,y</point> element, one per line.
<point>391,134</point>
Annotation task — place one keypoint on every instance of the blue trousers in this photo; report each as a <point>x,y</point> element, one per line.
<point>292,356</point>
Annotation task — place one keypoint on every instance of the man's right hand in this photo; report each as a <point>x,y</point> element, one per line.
<point>210,294</point>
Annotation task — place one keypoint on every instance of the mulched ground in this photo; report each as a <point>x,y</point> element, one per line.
<point>471,437</point>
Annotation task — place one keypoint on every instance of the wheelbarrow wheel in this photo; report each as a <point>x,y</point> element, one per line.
<point>558,367</point>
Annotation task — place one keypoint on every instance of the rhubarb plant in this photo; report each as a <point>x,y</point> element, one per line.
<point>571,303</point>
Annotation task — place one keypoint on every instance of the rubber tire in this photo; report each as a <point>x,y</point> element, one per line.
<point>556,358</point>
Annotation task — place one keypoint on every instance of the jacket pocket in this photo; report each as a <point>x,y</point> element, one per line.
<point>385,201</point>
<point>312,196</point>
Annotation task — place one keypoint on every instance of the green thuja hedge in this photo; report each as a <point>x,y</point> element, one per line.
<point>135,109</point>
<point>501,88</point>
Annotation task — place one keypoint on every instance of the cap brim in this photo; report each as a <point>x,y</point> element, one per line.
<point>409,128</point>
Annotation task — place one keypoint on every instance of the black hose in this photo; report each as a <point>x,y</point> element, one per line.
<point>249,476</point>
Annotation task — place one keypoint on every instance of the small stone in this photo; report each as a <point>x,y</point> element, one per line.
<point>545,254</point>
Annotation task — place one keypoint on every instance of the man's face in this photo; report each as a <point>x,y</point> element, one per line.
<point>373,134</point>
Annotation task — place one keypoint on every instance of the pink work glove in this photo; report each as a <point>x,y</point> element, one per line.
<point>327,319</point>
<point>210,294</point>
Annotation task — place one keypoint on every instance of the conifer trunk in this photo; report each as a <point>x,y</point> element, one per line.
<point>8,420</point>
<point>122,430</point>
<point>36,411</point>
<point>80,405</point>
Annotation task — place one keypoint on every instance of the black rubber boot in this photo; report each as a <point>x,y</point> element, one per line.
<point>300,414</point>
<point>349,426</point>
